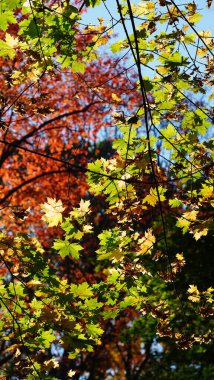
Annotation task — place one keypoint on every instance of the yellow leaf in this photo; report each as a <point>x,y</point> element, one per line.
<point>194,293</point>
<point>52,363</point>
<point>191,215</point>
<point>17,353</point>
<point>71,373</point>
<point>194,298</point>
<point>180,256</point>
<point>198,233</point>
<point>53,212</point>
<point>206,191</point>
<point>144,7</point>
<point>7,47</point>
<point>11,41</point>
<point>147,242</point>
<point>173,11</point>
<point>117,254</point>
<point>201,51</point>
<point>34,283</point>
<point>87,228</point>
<point>82,210</point>
<point>116,98</point>
<point>162,70</point>
<point>206,35</point>
<point>33,75</point>
<point>194,18</point>
<point>211,96</point>
<point>210,290</point>
<point>193,289</point>
<point>153,198</point>
<point>26,4</point>
<point>100,41</point>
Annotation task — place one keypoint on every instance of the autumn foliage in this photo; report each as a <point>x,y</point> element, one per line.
<point>106,191</point>
<point>54,129</point>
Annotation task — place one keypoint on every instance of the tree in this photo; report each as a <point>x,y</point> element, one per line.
<point>49,132</point>
<point>153,195</point>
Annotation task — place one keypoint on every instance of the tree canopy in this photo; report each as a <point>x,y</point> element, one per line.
<point>106,190</point>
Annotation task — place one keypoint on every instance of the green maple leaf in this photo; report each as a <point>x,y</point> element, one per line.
<point>78,67</point>
<point>46,338</point>
<point>175,202</point>
<point>94,330</point>
<point>92,304</point>
<point>6,18</point>
<point>169,132</point>
<point>82,290</point>
<point>66,248</point>
<point>74,250</point>
<point>116,47</point>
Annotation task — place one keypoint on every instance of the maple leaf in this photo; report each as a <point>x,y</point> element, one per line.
<point>206,191</point>
<point>194,293</point>
<point>198,233</point>
<point>5,19</point>
<point>53,212</point>
<point>193,289</point>
<point>7,47</point>
<point>94,330</point>
<point>87,229</point>
<point>194,298</point>
<point>46,337</point>
<point>180,256</point>
<point>52,363</point>
<point>11,41</point>
<point>82,210</point>
<point>143,8</point>
<point>147,242</point>
<point>185,220</point>
<point>75,306</point>
<point>71,373</point>
<point>116,98</point>
<point>34,283</point>
<point>66,248</point>
<point>152,198</point>
<point>82,290</point>
<point>117,255</point>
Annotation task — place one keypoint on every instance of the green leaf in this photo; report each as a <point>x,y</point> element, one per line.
<point>169,132</point>
<point>78,67</point>
<point>92,304</point>
<point>66,248</point>
<point>82,290</point>
<point>37,306</point>
<point>46,338</point>
<point>6,18</point>
<point>117,46</point>
<point>175,202</point>
<point>94,330</point>
<point>92,3</point>
<point>110,314</point>
<point>129,301</point>
<point>74,250</point>
<point>6,50</point>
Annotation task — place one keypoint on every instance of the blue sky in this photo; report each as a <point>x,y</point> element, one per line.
<point>206,23</point>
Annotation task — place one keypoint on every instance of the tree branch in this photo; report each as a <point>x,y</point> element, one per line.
<point>28,181</point>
